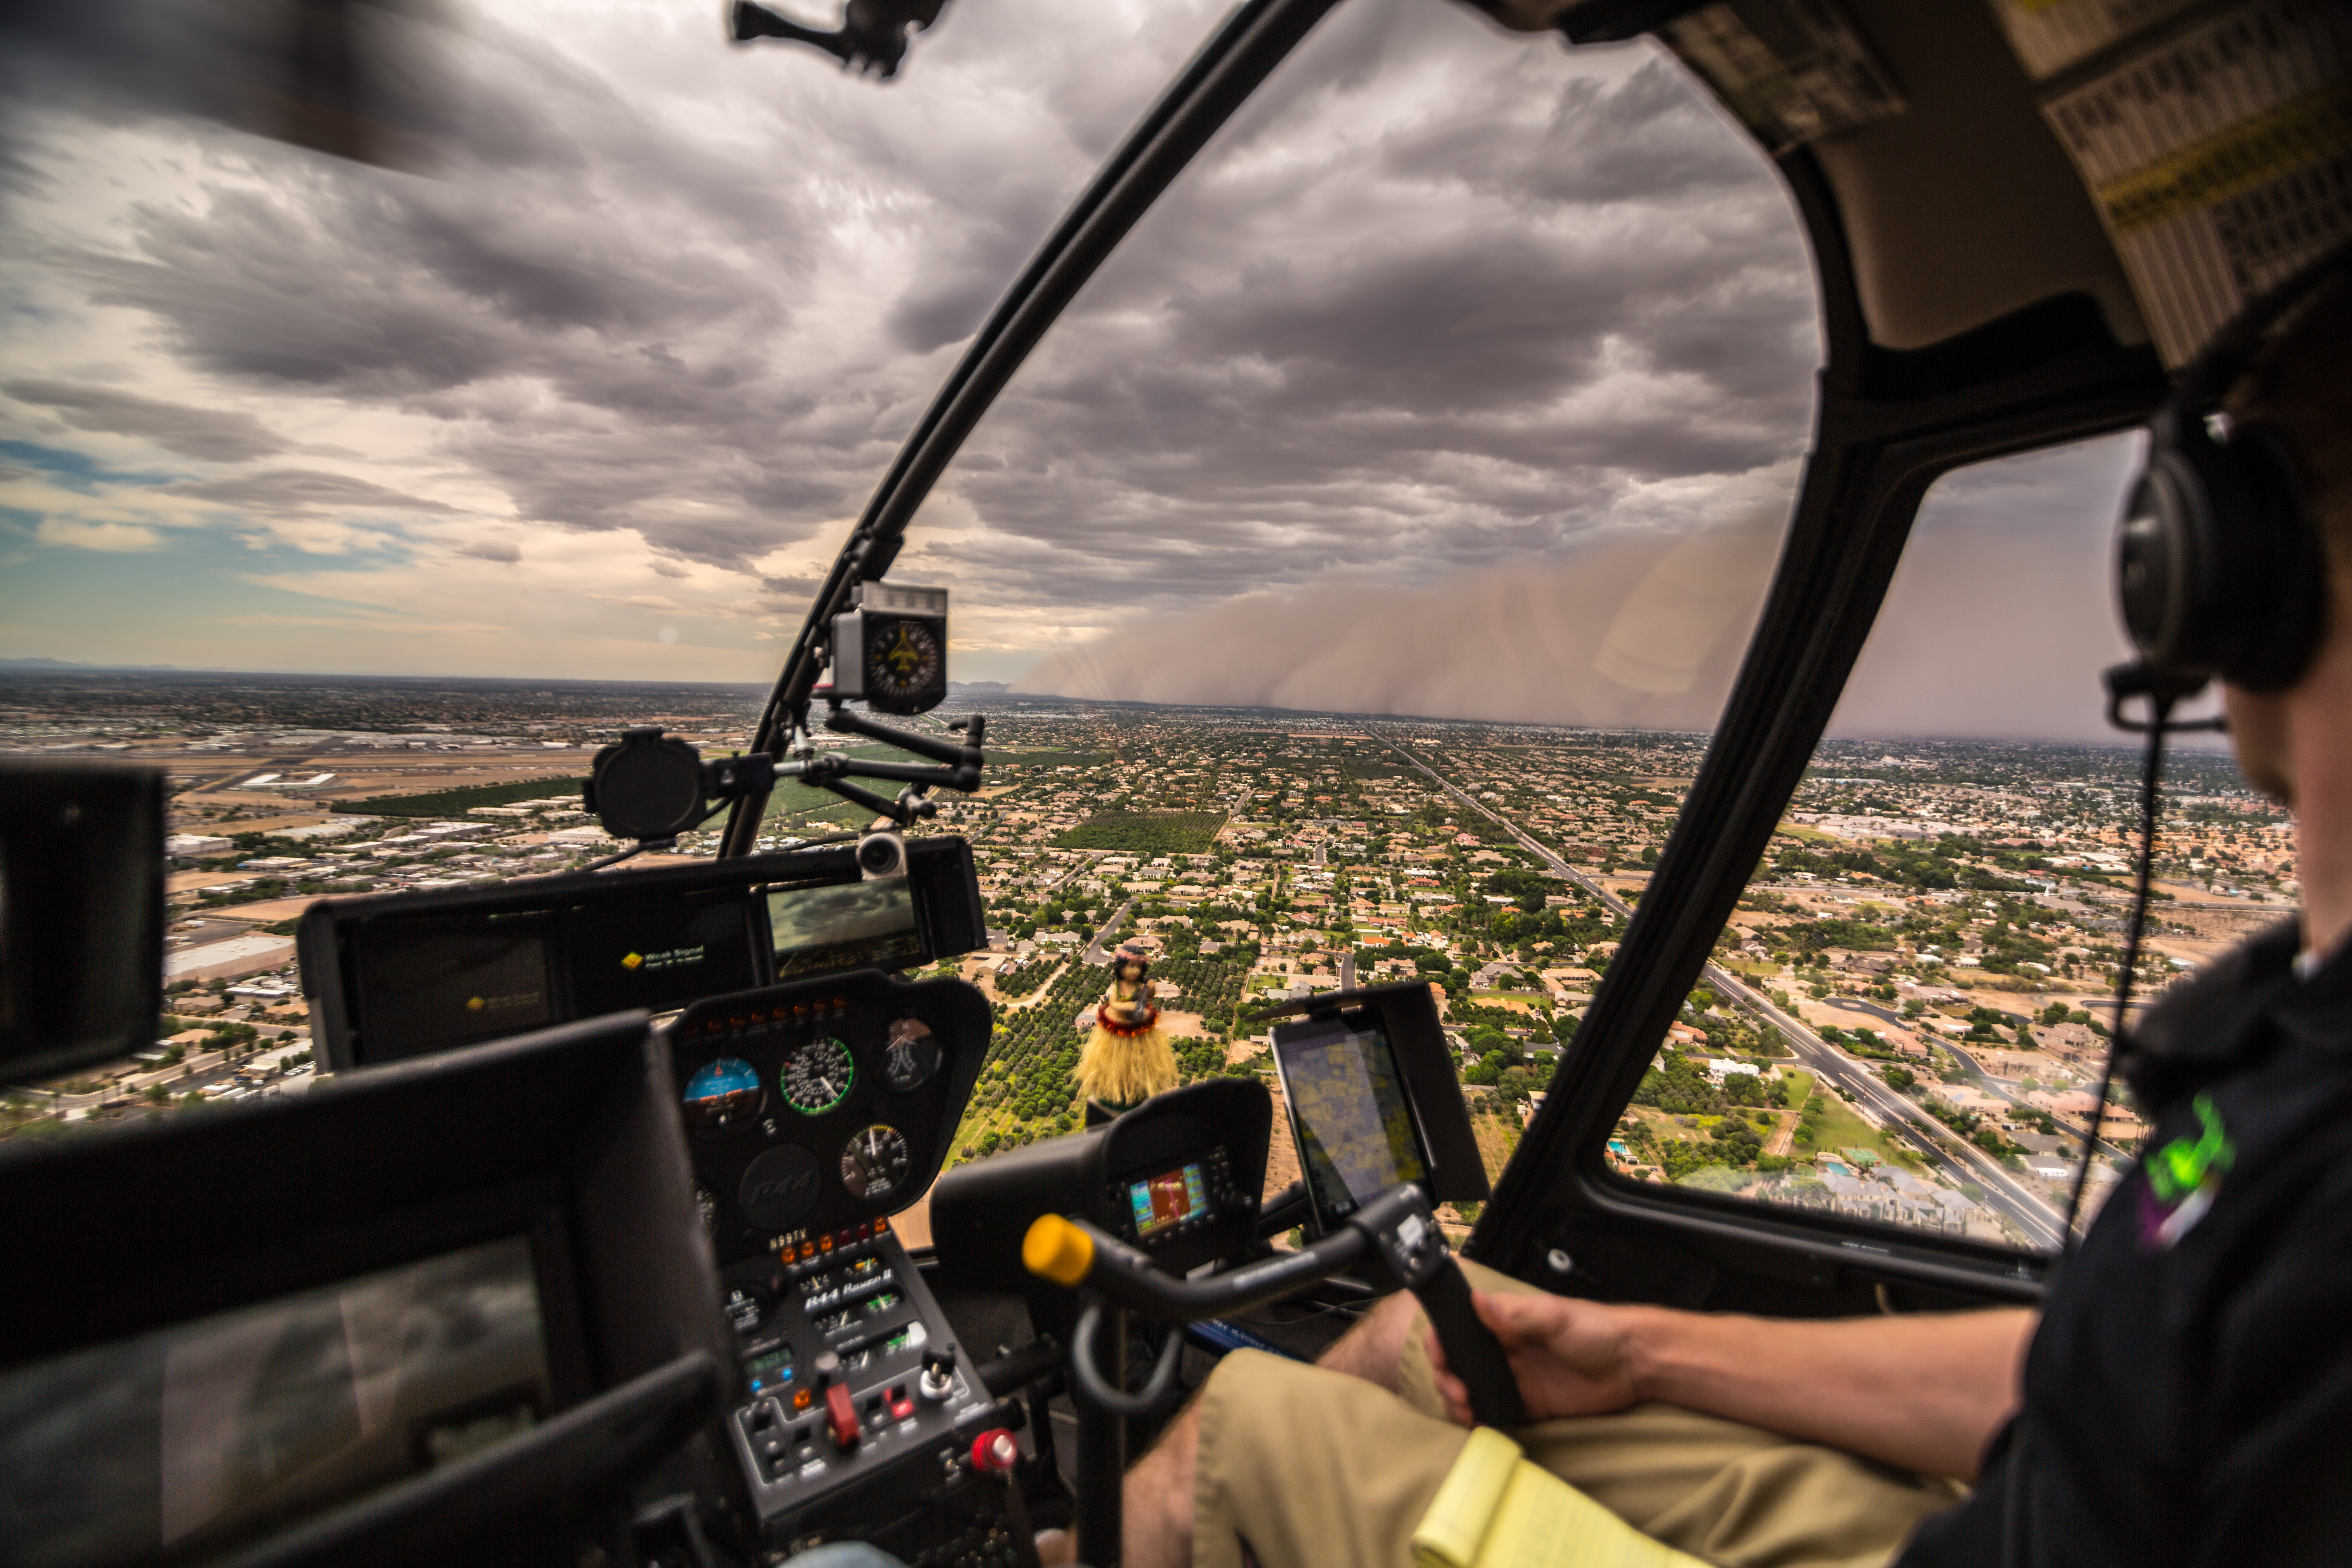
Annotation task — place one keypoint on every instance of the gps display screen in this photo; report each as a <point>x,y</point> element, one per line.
<point>1348,1113</point>
<point>659,954</point>
<point>1170,1198</point>
<point>192,1438</point>
<point>843,925</point>
<point>428,984</point>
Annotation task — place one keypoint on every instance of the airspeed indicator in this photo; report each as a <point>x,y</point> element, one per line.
<point>816,1075</point>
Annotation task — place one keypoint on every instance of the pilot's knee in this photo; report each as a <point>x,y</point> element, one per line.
<point>1372,1349</point>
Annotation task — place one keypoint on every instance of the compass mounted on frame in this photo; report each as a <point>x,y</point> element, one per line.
<point>892,649</point>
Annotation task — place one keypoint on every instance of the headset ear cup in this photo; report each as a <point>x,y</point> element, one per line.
<point>2218,567</point>
<point>2165,580</point>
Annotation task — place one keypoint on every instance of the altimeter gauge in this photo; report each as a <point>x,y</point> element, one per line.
<point>874,1163</point>
<point>816,1075</point>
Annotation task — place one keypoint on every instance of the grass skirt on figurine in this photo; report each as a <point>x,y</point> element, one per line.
<point>1125,1066</point>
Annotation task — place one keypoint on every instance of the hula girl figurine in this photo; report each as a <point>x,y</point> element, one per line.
<point>1126,1059</point>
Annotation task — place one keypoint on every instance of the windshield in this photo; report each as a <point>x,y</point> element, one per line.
<point>1427,452</point>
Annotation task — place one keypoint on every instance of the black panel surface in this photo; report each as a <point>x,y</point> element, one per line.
<point>394,975</point>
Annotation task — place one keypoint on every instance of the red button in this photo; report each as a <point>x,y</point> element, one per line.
<point>842,1415</point>
<point>994,1450</point>
<point>901,1409</point>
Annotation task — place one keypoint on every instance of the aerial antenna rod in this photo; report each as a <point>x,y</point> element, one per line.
<point>1254,38</point>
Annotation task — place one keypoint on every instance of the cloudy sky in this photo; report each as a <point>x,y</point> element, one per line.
<point>1465,372</point>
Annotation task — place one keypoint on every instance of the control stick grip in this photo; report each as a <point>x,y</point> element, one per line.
<point>1471,1351</point>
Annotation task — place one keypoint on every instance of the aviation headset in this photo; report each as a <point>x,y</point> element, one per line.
<point>2219,564</point>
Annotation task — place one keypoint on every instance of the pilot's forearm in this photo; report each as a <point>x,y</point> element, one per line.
<point>1926,1391</point>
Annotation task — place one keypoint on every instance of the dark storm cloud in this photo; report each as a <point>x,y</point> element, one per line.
<point>302,493</point>
<point>1637,141</point>
<point>210,435</point>
<point>587,301</point>
<point>1417,399</point>
<point>1438,300</point>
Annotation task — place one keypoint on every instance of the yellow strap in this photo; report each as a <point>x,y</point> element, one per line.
<point>1496,1509</point>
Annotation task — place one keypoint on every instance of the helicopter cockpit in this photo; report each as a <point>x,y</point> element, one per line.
<point>535,1304</point>
<point>628,1222</point>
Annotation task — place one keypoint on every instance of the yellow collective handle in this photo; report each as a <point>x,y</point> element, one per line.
<point>1057,1250</point>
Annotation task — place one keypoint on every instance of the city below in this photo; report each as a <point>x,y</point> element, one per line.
<point>1905,1019</point>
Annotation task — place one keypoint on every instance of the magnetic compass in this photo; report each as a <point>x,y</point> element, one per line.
<point>903,663</point>
<point>816,1075</point>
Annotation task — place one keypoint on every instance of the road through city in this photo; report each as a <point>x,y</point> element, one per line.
<point>2041,1222</point>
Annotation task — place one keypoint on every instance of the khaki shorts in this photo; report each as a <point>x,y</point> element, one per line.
<point>1316,1468</point>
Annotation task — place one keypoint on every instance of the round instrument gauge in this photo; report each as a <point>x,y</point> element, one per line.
<point>904,661</point>
<point>875,1163</point>
<point>816,1075</point>
<point>723,1095</point>
<point>913,1055</point>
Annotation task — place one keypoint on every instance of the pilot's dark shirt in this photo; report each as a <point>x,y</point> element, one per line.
<point>2189,1394</point>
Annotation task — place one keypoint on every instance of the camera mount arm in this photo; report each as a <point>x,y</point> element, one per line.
<point>960,767</point>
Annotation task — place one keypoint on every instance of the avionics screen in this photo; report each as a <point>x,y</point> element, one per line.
<point>659,954</point>
<point>432,984</point>
<point>211,1432</point>
<point>1353,1126</point>
<point>1173,1197</point>
<point>843,925</point>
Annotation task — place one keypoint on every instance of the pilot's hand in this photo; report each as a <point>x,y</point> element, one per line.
<point>1571,1358</point>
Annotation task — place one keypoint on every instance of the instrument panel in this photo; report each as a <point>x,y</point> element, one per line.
<point>820,1105</point>
<point>814,1111</point>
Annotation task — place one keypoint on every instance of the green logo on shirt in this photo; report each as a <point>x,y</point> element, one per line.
<point>2186,1164</point>
<point>2183,1177</point>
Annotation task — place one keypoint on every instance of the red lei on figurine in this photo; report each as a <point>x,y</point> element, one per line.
<point>1103,1018</point>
